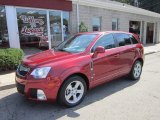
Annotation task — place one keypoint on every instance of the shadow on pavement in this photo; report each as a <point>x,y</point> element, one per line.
<point>16,107</point>
<point>6,72</point>
<point>7,87</point>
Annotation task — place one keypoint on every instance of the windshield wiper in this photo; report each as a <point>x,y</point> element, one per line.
<point>63,50</point>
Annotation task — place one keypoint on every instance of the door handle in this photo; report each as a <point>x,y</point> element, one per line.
<point>132,50</point>
<point>117,55</point>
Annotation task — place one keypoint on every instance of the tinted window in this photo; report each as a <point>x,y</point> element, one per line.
<point>123,39</point>
<point>134,41</point>
<point>106,41</point>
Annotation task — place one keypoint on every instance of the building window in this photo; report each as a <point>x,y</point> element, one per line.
<point>115,24</point>
<point>96,23</point>
<point>66,31</point>
<point>32,25</point>
<point>4,39</point>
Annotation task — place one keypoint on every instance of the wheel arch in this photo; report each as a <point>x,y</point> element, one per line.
<point>140,59</point>
<point>75,74</point>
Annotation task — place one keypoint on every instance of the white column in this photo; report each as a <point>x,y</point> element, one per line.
<point>158,33</point>
<point>141,31</point>
<point>145,33</point>
<point>154,33</point>
<point>78,16</point>
<point>62,26</point>
<point>12,26</point>
<point>49,30</point>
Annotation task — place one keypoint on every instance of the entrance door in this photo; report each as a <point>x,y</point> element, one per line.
<point>150,33</point>
<point>33,31</point>
<point>135,27</point>
<point>55,28</point>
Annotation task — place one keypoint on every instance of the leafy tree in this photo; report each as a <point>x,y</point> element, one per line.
<point>125,1</point>
<point>152,5</point>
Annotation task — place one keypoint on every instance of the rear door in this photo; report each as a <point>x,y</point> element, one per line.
<point>105,64</point>
<point>126,50</point>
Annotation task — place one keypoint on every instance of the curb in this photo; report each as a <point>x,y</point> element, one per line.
<point>151,52</point>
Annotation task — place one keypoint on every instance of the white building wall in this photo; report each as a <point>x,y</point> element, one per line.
<point>86,14</point>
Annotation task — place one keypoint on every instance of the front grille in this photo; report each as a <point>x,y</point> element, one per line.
<point>20,87</point>
<point>22,70</point>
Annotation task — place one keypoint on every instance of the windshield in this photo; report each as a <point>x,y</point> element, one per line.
<point>76,44</point>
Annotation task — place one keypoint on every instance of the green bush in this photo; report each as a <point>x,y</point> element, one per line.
<point>83,28</point>
<point>10,58</point>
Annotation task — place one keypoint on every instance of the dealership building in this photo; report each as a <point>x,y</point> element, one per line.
<point>36,24</point>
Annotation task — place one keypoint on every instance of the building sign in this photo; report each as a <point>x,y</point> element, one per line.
<point>33,26</point>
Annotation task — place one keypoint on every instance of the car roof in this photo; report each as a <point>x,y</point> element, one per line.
<point>104,32</point>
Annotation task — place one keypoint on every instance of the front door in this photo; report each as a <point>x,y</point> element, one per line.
<point>105,65</point>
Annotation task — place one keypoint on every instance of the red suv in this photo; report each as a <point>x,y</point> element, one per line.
<point>66,72</point>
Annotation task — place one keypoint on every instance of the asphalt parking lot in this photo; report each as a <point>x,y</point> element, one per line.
<point>121,99</point>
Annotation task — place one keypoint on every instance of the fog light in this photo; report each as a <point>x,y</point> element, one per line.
<point>41,95</point>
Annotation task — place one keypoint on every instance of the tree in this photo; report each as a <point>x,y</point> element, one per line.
<point>152,5</point>
<point>125,1</point>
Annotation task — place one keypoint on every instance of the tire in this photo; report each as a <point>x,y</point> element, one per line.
<point>136,70</point>
<point>72,92</point>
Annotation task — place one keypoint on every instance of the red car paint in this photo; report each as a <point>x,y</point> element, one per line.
<point>104,67</point>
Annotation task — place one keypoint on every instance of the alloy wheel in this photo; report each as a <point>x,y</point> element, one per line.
<point>137,70</point>
<point>74,92</point>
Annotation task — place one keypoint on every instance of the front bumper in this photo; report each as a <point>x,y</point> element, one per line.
<point>34,89</point>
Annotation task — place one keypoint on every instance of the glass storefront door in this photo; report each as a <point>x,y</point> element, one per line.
<point>66,28</point>
<point>4,39</point>
<point>55,28</point>
<point>33,28</point>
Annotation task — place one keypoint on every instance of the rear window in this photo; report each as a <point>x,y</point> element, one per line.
<point>133,39</point>
<point>122,39</point>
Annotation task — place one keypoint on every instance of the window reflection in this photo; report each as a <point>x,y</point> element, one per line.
<point>32,25</point>
<point>4,39</point>
<point>56,28</point>
<point>66,30</point>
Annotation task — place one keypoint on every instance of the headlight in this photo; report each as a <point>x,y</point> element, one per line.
<point>39,73</point>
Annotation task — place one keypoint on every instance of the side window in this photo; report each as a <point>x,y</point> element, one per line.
<point>122,39</point>
<point>134,41</point>
<point>106,41</point>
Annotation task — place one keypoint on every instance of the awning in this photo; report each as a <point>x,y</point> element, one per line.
<point>45,4</point>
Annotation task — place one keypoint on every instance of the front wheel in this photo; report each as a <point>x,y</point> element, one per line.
<point>136,70</point>
<point>72,91</point>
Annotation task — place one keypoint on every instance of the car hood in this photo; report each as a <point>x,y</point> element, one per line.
<point>47,57</point>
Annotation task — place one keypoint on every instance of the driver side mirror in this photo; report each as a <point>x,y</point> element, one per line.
<point>98,50</point>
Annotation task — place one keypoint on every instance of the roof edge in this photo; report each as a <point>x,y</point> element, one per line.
<point>117,7</point>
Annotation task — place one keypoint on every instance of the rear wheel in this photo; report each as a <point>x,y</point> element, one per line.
<point>136,70</point>
<point>72,91</point>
